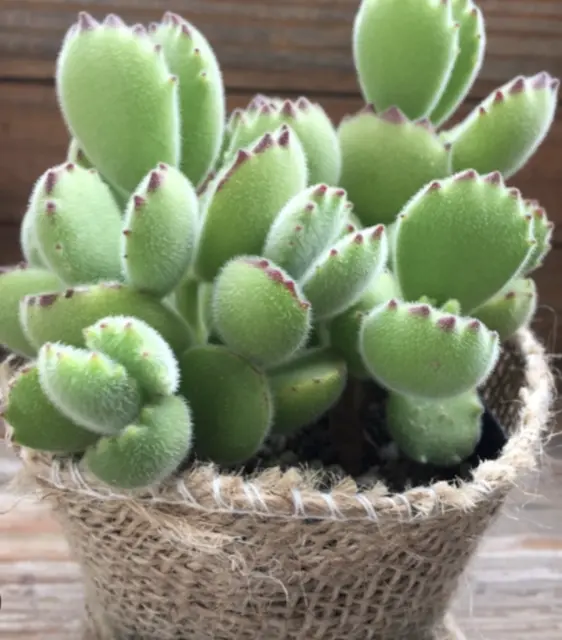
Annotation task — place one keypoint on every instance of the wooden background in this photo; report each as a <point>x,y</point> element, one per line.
<point>281,47</point>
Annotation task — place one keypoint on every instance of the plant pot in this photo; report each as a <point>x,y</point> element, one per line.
<point>209,556</point>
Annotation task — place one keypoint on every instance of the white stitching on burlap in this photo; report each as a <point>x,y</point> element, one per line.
<point>335,513</point>
<point>55,475</point>
<point>217,495</point>
<point>368,506</point>
<point>79,478</point>
<point>184,492</point>
<point>254,496</point>
<point>298,505</point>
<point>401,496</point>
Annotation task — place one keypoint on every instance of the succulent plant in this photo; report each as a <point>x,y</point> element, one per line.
<point>307,119</point>
<point>416,62</point>
<point>114,401</point>
<point>195,283</point>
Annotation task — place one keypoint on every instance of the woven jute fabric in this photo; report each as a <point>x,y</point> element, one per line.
<point>220,557</point>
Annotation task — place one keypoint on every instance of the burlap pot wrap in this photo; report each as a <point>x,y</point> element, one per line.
<point>209,556</point>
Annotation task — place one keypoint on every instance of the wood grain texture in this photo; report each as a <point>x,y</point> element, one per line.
<point>33,138</point>
<point>512,590</point>
<point>289,45</point>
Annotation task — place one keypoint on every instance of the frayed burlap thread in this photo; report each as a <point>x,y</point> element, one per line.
<point>220,557</point>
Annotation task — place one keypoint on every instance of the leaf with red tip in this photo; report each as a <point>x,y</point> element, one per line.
<point>36,423</point>
<point>86,22</point>
<point>339,276</point>
<point>143,352</point>
<point>259,311</point>
<point>166,231</point>
<point>417,355</point>
<point>113,21</point>
<point>465,242</point>
<point>288,109</point>
<point>284,137</point>
<point>257,102</point>
<point>114,66</point>
<point>385,161</point>
<point>170,17</point>
<point>308,121</point>
<point>393,115</point>
<point>76,223</point>
<point>404,53</point>
<point>543,229</point>
<point>469,174</point>
<point>96,393</point>
<point>62,317</point>
<point>511,309</point>
<point>494,178</point>
<point>265,142</point>
<point>518,85</point>
<point>140,30</point>
<point>517,119</point>
<point>307,224</point>
<point>15,284</point>
<point>246,197</point>
<point>201,94</point>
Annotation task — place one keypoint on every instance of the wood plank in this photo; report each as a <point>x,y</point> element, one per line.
<point>512,590</point>
<point>546,321</point>
<point>10,252</point>
<point>34,138</point>
<point>289,45</point>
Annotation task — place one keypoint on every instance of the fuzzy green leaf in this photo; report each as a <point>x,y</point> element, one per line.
<point>149,450</point>
<point>414,349</point>
<point>463,238</point>
<point>201,95</point>
<point>89,388</point>
<point>344,328</point>
<point>510,310</point>
<point>231,403</point>
<point>337,279</point>
<point>442,433</point>
<point>15,284</point>
<point>404,53</point>
<point>507,128</point>
<point>259,311</point>
<point>28,241</point>
<point>139,348</point>
<point>543,229</point>
<point>472,45</point>
<point>35,421</point>
<point>386,159</point>
<point>246,197</point>
<point>161,221</point>
<point>77,225</point>
<point>307,224</point>
<point>63,317</point>
<point>191,299</point>
<point>76,155</point>
<point>306,388</point>
<point>307,119</point>
<point>111,64</point>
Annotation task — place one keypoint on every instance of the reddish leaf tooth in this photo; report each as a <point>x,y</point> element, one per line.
<point>393,115</point>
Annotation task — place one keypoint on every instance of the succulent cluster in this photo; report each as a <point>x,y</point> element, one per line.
<point>195,282</point>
